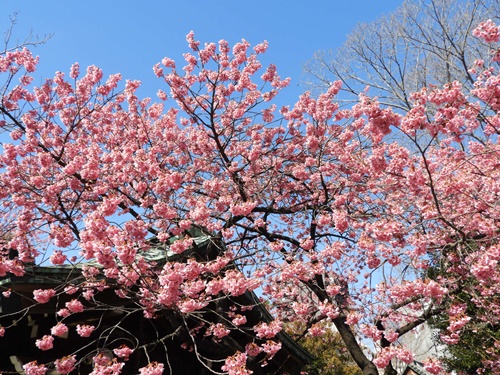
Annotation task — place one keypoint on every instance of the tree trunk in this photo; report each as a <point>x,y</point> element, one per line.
<point>352,345</point>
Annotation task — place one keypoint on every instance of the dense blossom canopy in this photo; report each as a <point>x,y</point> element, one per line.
<point>329,214</point>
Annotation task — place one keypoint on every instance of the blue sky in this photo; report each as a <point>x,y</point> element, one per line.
<point>131,36</point>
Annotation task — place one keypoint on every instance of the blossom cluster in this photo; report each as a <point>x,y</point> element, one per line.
<point>364,218</point>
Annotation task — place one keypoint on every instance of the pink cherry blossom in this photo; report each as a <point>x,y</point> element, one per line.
<point>70,289</point>
<point>84,330</point>
<point>153,368</point>
<point>384,357</point>
<point>317,330</point>
<point>487,31</point>
<point>45,343</point>
<point>433,366</point>
<point>252,349</point>
<point>110,368</point>
<point>43,295</point>
<point>236,365</point>
<point>219,330</point>
<point>271,348</point>
<point>268,331</point>
<point>239,320</point>
<point>74,306</point>
<point>361,217</point>
<point>391,336</point>
<point>33,368</point>
<point>58,258</point>
<point>405,356</point>
<point>123,352</point>
<point>451,339</point>
<point>66,364</point>
<point>63,313</point>
<point>60,329</point>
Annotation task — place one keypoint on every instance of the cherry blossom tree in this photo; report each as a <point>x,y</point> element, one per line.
<point>421,43</point>
<point>316,209</point>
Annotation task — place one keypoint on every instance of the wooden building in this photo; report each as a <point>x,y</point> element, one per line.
<point>169,337</point>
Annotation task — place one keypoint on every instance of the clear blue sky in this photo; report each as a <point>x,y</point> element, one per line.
<point>131,36</point>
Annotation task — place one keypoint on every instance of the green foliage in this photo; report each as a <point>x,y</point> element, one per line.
<point>480,337</point>
<point>331,355</point>
<point>468,356</point>
<point>477,341</point>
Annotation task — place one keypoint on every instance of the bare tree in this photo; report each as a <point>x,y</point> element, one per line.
<point>31,40</point>
<point>422,43</point>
